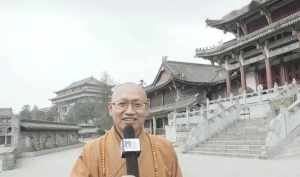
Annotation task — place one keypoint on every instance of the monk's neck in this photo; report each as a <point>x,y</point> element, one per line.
<point>119,135</point>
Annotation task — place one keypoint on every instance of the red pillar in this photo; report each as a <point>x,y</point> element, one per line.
<point>243,80</point>
<point>282,73</point>
<point>228,83</point>
<point>268,67</point>
<point>242,71</point>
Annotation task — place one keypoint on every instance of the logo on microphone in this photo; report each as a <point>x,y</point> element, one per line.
<point>130,145</point>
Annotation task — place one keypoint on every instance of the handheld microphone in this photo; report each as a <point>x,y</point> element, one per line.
<point>130,150</point>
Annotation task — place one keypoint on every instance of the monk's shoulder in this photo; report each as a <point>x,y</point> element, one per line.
<point>161,140</point>
<point>93,145</point>
<point>164,145</point>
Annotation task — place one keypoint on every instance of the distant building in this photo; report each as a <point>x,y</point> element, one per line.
<point>87,131</point>
<point>89,89</point>
<point>7,130</point>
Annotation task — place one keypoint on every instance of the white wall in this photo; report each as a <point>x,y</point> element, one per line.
<point>251,80</point>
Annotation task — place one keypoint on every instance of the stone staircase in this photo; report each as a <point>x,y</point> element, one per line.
<point>245,138</point>
<point>291,146</point>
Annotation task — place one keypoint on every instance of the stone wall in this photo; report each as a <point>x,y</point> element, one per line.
<point>7,158</point>
<point>30,141</point>
<point>37,135</point>
<point>8,161</point>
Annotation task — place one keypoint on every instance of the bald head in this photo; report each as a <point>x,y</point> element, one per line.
<point>128,107</point>
<point>126,88</point>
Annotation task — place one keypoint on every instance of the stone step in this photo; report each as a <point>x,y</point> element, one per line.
<point>236,142</point>
<point>249,123</point>
<point>246,129</point>
<point>245,138</point>
<point>291,150</point>
<point>252,120</point>
<point>244,124</point>
<point>226,154</point>
<point>241,133</point>
<point>252,126</point>
<point>245,146</point>
<point>241,137</point>
<point>288,155</point>
<point>229,150</point>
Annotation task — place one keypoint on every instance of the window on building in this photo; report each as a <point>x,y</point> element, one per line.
<point>9,130</point>
<point>2,140</point>
<point>8,139</point>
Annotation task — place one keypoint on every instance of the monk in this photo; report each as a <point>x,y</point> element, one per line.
<point>102,157</point>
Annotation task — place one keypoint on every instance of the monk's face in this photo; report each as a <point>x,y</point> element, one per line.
<point>129,107</point>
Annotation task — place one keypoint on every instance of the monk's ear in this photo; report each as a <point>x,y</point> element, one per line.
<point>147,108</point>
<point>109,108</point>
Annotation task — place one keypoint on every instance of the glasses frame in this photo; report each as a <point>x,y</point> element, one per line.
<point>127,103</point>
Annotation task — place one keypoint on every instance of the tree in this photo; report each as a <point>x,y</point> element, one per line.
<point>142,83</point>
<point>36,114</point>
<point>52,114</point>
<point>25,113</point>
<point>105,120</point>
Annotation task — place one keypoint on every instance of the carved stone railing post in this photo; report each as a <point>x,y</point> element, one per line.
<point>201,114</point>
<point>207,104</point>
<point>244,98</point>
<point>154,124</point>
<point>231,98</point>
<point>187,117</point>
<point>276,87</point>
<point>294,82</point>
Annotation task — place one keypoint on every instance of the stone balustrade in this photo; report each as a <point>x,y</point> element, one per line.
<point>207,127</point>
<point>258,96</point>
<point>280,127</point>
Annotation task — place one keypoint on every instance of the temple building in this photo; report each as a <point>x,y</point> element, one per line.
<point>246,103</point>
<point>261,104</point>
<point>180,87</point>
<point>89,89</point>
<point>266,49</point>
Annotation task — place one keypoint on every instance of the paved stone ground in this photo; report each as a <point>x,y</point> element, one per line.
<point>59,164</point>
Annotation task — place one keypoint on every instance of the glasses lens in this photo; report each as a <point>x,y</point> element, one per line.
<point>135,105</point>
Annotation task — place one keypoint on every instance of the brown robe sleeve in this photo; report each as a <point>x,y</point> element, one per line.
<point>176,171</point>
<point>87,163</point>
<point>80,168</point>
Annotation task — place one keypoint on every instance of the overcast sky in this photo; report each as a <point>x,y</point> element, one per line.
<point>47,45</point>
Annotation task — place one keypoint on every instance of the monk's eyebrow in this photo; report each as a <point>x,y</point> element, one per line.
<point>133,100</point>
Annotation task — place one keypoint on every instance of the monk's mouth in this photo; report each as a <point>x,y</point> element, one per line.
<point>129,119</point>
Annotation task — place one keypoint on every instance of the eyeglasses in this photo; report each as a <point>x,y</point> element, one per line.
<point>136,105</point>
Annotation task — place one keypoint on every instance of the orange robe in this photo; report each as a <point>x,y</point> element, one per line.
<point>102,158</point>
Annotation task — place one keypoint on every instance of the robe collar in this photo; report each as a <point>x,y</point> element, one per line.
<point>118,136</point>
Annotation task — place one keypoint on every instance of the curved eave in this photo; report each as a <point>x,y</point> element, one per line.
<point>171,107</point>
<point>245,40</point>
<point>194,83</point>
<point>219,24</point>
<point>157,87</point>
<point>252,7</point>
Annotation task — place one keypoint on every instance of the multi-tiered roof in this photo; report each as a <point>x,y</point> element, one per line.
<point>259,21</point>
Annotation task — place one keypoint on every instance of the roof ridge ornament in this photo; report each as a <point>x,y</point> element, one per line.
<point>164,59</point>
